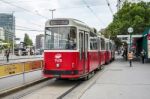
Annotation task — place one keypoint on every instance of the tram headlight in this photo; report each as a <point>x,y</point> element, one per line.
<point>57,65</point>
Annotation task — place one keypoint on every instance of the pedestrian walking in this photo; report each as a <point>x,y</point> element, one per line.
<point>130,57</point>
<point>7,52</point>
<point>143,55</point>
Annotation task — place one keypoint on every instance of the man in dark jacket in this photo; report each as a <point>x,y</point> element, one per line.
<point>143,55</point>
<point>7,52</point>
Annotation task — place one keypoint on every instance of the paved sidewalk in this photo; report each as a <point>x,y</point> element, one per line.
<point>119,81</point>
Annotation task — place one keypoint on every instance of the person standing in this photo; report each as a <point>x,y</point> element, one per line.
<point>130,57</point>
<point>7,54</point>
<point>143,55</point>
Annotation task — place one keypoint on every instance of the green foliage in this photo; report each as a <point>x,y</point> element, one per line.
<point>27,40</point>
<point>136,15</point>
<point>5,46</point>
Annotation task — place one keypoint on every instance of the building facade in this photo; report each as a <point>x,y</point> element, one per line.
<point>7,22</point>
<point>40,41</point>
<point>2,34</point>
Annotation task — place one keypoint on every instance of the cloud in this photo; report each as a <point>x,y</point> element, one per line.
<point>64,8</point>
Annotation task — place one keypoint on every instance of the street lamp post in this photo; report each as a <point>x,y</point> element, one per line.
<point>130,54</point>
<point>130,30</point>
<point>52,10</point>
<point>13,33</point>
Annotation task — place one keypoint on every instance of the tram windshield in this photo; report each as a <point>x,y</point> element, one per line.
<point>60,38</point>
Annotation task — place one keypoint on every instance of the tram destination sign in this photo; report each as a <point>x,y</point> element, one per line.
<point>59,22</point>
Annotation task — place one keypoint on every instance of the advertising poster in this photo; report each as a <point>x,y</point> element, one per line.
<point>148,46</point>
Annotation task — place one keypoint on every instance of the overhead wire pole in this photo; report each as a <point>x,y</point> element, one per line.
<point>52,10</point>
<point>13,34</point>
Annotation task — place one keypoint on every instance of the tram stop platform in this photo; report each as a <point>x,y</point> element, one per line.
<point>19,59</point>
<point>119,81</point>
<point>19,71</point>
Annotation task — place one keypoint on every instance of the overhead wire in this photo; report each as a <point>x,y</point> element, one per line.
<point>24,10</point>
<point>88,6</point>
<point>29,30</point>
<point>108,4</point>
<point>6,2</point>
<point>81,6</point>
<point>23,27</point>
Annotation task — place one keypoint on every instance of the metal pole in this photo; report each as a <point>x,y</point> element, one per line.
<point>130,40</point>
<point>52,10</point>
<point>13,44</point>
<point>52,14</point>
<point>24,73</point>
<point>13,34</point>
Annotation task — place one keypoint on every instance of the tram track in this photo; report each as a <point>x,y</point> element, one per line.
<point>51,89</point>
<point>70,90</point>
<point>10,93</point>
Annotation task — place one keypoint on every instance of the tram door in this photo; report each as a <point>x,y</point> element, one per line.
<point>83,48</point>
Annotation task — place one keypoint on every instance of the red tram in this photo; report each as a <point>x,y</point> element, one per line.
<point>72,49</point>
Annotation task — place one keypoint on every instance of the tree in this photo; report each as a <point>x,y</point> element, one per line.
<point>134,15</point>
<point>27,40</point>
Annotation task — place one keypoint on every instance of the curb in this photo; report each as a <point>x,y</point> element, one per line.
<point>78,92</point>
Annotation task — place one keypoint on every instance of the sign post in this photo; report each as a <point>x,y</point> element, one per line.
<point>130,54</point>
<point>130,30</point>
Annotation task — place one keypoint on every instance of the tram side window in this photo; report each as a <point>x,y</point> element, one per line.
<point>71,43</point>
<point>93,44</point>
<point>102,44</point>
<point>107,46</point>
<point>98,44</point>
<point>110,45</point>
<point>81,44</point>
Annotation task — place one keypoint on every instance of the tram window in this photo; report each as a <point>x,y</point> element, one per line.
<point>99,46</point>
<point>110,45</point>
<point>93,43</point>
<point>86,45</point>
<point>81,44</point>
<point>107,46</point>
<point>71,43</point>
<point>92,34</point>
<point>60,38</point>
<point>102,44</point>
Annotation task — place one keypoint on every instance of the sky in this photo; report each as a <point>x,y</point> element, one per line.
<point>32,14</point>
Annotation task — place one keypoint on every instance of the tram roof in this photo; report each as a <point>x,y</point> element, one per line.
<point>71,22</point>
